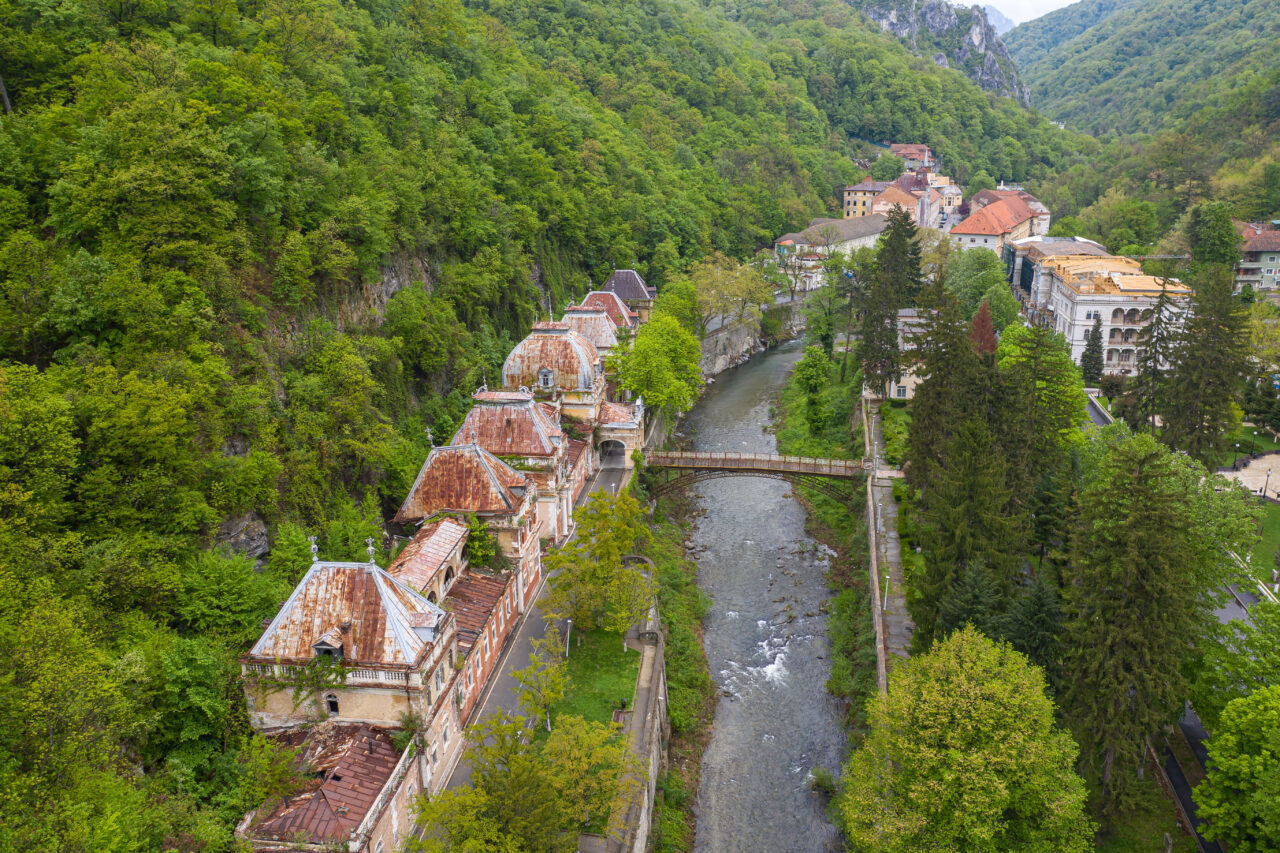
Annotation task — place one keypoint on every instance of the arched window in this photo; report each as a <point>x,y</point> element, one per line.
<point>448,576</point>
<point>431,596</point>
<point>1131,316</point>
<point>331,704</point>
<point>1117,316</point>
<point>1114,335</point>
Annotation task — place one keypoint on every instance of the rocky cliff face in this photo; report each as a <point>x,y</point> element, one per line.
<point>954,37</point>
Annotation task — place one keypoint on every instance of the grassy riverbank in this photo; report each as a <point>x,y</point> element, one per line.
<point>690,693</point>
<point>841,526</point>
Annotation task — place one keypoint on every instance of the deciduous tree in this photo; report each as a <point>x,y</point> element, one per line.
<point>963,754</point>
<point>1239,798</point>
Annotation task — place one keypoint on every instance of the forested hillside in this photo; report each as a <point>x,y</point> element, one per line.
<point>1119,67</point>
<point>250,252</point>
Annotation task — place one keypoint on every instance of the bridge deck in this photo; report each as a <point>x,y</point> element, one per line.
<point>843,468</point>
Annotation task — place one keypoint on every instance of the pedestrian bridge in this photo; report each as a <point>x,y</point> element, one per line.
<point>827,476</point>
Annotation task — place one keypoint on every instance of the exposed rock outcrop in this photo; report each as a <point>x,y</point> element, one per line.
<point>954,37</point>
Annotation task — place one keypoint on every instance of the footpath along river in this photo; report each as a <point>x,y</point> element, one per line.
<point>765,635</point>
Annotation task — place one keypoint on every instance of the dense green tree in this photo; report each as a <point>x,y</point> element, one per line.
<point>1239,799</point>
<point>1239,658</point>
<point>963,754</point>
<point>1213,236</point>
<point>982,332</point>
<point>1046,401</point>
<point>1208,363</point>
<point>1148,390</point>
<point>968,526</point>
<point>887,167</point>
<point>975,273</point>
<point>1033,625</point>
<point>679,299</point>
<point>978,600</point>
<point>546,679</point>
<point>979,181</point>
<point>1091,360</point>
<point>1149,557</point>
<point>663,365</point>
<point>953,385</point>
<point>898,257</point>
<point>878,338</point>
<point>1003,305</point>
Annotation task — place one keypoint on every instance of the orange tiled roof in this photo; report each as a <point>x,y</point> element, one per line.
<point>895,195</point>
<point>612,304</point>
<point>999,217</point>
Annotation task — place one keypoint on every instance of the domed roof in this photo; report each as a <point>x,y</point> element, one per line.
<point>554,351</point>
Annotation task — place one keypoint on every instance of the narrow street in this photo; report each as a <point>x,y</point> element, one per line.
<point>898,624</point>
<point>500,694</point>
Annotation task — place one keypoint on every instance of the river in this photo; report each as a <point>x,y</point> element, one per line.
<point>765,635</point>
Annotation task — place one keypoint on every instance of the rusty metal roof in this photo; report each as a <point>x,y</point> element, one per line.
<point>575,450</point>
<point>617,413</point>
<point>610,303</point>
<point>358,605</point>
<point>429,549</point>
<point>571,358</point>
<point>472,598</point>
<point>999,217</point>
<point>463,479</point>
<point>594,325</point>
<point>352,764</point>
<point>629,285</point>
<point>510,423</point>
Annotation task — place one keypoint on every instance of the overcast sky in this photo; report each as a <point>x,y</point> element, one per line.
<point>1019,11</point>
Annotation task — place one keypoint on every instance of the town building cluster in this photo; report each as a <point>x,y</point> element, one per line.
<point>1259,266</point>
<point>1068,283</point>
<point>359,652</point>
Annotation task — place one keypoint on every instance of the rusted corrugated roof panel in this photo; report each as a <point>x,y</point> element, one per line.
<point>594,325</point>
<point>354,763</point>
<point>463,479</point>
<point>510,423</point>
<point>611,304</point>
<point>366,610</point>
<point>430,547</point>
<point>616,413</point>
<point>571,358</point>
<point>472,598</point>
<point>575,450</point>
<point>629,285</point>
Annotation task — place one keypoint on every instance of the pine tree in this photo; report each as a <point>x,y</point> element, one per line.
<point>1135,599</point>
<point>1033,626</point>
<point>1091,359</point>
<point>981,331</point>
<point>1210,359</point>
<point>954,384</point>
<point>898,258</point>
<point>878,348</point>
<point>966,524</point>
<point>977,600</point>
<point>1147,387</point>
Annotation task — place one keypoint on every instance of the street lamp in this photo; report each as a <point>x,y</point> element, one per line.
<point>1253,443</point>
<point>1237,456</point>
<point>1266,483</point>
<point>567,634</point>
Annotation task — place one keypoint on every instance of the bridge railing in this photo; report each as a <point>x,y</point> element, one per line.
<point>727,460</point>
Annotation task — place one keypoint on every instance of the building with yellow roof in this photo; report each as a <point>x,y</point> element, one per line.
<point>1115,292</point>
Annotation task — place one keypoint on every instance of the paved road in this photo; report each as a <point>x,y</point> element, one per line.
<point>898,624</point>
<point>518,652</point>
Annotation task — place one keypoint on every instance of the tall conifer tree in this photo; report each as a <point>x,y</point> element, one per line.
<point>899,256</point>
<point>1147,387</point>
<point>1091,360</point>
<point>1210,360</point>
<point>966,524</point>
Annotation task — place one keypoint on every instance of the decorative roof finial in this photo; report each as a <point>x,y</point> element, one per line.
<point>431,439</point>
<point>473,435</point>
<point>315,549</point>
<point>369,542</point>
